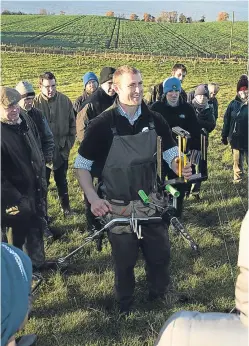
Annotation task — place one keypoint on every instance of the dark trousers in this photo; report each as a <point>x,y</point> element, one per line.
<point>60,177</point>
<point>196,187</point>
<point>27,233</point>
<point>156,251</point>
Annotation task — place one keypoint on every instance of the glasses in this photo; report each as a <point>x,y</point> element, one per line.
<point>47,87</point>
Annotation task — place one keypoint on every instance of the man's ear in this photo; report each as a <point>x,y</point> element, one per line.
<point>116,88</point>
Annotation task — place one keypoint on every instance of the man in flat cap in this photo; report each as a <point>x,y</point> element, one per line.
<point>46,142</point>
<point>23,177</point>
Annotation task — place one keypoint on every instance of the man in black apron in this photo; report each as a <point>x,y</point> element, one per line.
<point>122,140</point>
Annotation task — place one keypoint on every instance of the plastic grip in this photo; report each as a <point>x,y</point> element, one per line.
<point>143,196</point>
<point>172,190</point>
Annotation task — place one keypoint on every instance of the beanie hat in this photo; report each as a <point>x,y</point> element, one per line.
<point>202,89</point>
<point>170,84</point>
<point>16,271</point>
<point>242,83</point>
<point>89,76</point>
<point>9,97</point>
<point>106,74</point>
<point>25,89</point>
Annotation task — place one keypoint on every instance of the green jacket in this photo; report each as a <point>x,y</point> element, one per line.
<point>61,120</point>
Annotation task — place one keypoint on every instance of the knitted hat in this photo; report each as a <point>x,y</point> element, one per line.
<point>170,84</point>
<point>106,74</point>
<point>242,83</point>
<point>16,271</point>
<point>202,89</point>
<point>25,89</point>
<point>9,97</point>
<point>89,76</point>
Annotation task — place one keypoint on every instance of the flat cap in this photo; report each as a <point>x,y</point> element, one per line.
<point>9,96</point>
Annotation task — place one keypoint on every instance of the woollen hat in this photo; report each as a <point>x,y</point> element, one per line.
<point>16,272</point>
<point>170,84</point>
<point>106,74</point>
<point>202,89</point>
<point>242,83</point>
<point>9,96</point>
<point>89,76</point>
<point>25,89</point>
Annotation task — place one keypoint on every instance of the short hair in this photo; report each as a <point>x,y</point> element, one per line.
<point>46,75</point>
<point>122,70</point>
<point>179,67</point>
<point>215,85</point>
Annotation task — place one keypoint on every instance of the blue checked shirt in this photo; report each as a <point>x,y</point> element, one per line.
<point>168,155</point>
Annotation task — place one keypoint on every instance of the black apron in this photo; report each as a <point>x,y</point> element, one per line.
<point>130,165</point>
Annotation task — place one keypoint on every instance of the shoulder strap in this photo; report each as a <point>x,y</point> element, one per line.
<point>151,121</point>
<point>113,123</point>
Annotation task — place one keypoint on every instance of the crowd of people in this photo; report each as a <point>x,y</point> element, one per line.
<point>117,126</point>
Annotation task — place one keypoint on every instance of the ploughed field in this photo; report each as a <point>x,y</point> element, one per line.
<point>88,32</point>
<point>77,307</point>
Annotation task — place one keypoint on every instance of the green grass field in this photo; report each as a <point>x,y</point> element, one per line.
<point>84,33</point>
<point>77,308</point>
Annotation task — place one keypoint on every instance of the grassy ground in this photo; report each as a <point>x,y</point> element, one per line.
<point>77,307</point>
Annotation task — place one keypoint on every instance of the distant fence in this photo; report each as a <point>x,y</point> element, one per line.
<point>114,55</point>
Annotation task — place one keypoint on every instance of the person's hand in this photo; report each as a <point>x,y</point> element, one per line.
<point>100,207</point>
<point>12,210</point>
<point>186,171</point>
<point>224,140</point>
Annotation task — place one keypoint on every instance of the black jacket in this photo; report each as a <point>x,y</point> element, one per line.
<point>97,103</point>
<point>156,94</point>
<point>98,137</point>
<point>182,115</point>
<point>23,180</point>
<point>205,117</point>
<point>235,126</point>
<point>46,136</point>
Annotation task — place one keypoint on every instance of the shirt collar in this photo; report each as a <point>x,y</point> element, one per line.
<point>124,114</point>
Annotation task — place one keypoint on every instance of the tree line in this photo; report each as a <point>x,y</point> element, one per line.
<point>170,17</point>
<point>164,17</point>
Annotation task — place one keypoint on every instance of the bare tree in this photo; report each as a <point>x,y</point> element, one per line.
<point>43,11</point>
